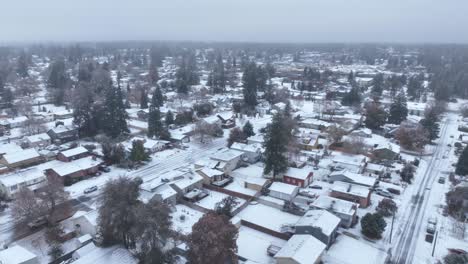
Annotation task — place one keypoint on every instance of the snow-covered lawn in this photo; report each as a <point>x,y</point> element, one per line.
<point>253,245</point>
<point>184,218</point>
<point>213,198</point>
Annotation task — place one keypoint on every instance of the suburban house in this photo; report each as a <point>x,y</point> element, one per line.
<point>345,210</point>
<point>301,249</point>
<point>363,132</point>
<point>415,108</point>
<point>255,139</point>
<point>63,134</point>
<point>374,168</point>
<point>13,122</point>
<point>75,170</point>
<point>9,148</point>
<point>189,182</point>
<point>300,177</point>
<point>350,177</point>
<point>230,159</point>
<point>314,124</point>
<point>114,254</point>
<point>210,175</point>
<point>33,178</point>
<point>179,138</point>
<point>321,224</point>
<point>38,141</point>
<point>353,163</point>
<point>250,177</point>
<point>64,114</point>
<point>161,192</point>
<point>17,255</point>
<point>21,159</point>
<point>351,192</point>
<point>252,152</point>
<point>283,191</point>
<point>387,151</point>
<point>73,154</point>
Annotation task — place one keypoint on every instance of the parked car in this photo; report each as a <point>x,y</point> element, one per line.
<point>431,225</point>
<point>38,222</point>
<point>441,180</point>
<point>91,189</point>
<point>384,193</point>
<point>393,191</point>
<point>316,187</point>
<point>104,168</point>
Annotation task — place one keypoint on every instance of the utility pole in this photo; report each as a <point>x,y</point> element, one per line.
<point>435,242</point>
<point>391,229</point>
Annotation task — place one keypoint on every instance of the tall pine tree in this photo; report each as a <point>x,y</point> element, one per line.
<point>250,80</point>
<point>462,165</point>
<point>398,109</point>
<point>155,126</point>
<point>275,142</point>
<point>115,116</point>
<point>430,123</point>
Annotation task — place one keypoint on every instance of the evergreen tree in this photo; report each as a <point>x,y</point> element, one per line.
<point>153,73</point>
<point>250,80</point>
<point>169,118</point>
<point>373,225</point>
<point>375,116</point>
<point>159,97</point>
<point>187,74</point>
<point>155,125</point>
<point>275,143</point>
<point>235,135</point>
<point>430,123</point>
<point>22,65</point>
<point>248,129</point>
<point>398,109</point>
<point>138,153</point>
<point>218,78</point>
<point>143,99</point>
<point>377,84</point>
<point>462,165</point>
<point>57,81</point>
<point>7,98</point>
<point>352,97</point>
<point>114,116</point>
<point>84,112</point>
<point>414,87</point>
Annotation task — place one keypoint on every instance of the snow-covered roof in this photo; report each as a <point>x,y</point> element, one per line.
<point>302,173</point>
<point>38,138</point>
<point>114,255</point>
<point>21,176</point>
<point>247,147</point>
<point>16,255</point>
<point>335,205</point>
<point>353,189</point>
<point>210,173</point>
<point>22,155</point>
<point>355,177</point>
<point>302,249</point>
<point>9,148</point>
<point>74,151</point>
<point>283,188</point>
<point>66,168</point>
<point>322,219</point>
<point>226,155</point>
<point>13,120</point>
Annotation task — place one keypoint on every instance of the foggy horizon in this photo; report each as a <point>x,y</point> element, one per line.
<point>298,21</point>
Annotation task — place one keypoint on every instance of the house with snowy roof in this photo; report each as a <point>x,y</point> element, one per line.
<point>76,170</point>
<point>252,152</point>
<point>17,255</point>
<point>301,177</point>
<point>38,141</point>
<point>351,177</point>
<point>229,157</point>
<point>73,154</point>
<point>21,159</point>
<point>301,249</point>
<point>63,134</point>
<point>321,224</point>
<point>352,192</point>
<point>283,191</point>
<point>345,210</point>
<point>32,178</point>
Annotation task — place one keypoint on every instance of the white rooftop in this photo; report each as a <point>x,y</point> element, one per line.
<point>16,255</point>
<point>283,188</point>
<point>335,205</point>
<point>38,137</point>
<point>303,249</point>
<point>301,173</point>
<point>22,155</point>
<point>74,151</point>
<point>66,168</point>
<point>323,219</point>
<point>355,177</point>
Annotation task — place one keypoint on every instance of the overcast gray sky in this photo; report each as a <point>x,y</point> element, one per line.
<point>236,20</point>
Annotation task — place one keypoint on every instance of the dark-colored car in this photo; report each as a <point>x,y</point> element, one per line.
<point>316,187</point>
<point>104,168</point>
<point>394,191</point>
